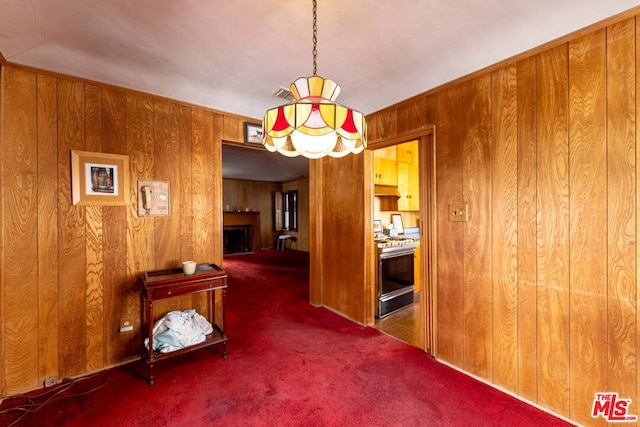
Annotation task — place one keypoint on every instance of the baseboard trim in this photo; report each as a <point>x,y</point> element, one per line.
<point>509,392</point>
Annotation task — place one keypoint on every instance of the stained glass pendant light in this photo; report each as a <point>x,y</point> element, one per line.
<point>314,125</point>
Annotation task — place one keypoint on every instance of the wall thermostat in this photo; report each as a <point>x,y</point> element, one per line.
<point>154,198</point>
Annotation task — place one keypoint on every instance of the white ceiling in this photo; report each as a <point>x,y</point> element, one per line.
<point>232,54</point>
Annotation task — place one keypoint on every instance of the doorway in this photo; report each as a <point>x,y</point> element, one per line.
<point>413,323</point>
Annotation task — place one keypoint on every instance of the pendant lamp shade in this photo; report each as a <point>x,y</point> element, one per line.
<point>314,125</point>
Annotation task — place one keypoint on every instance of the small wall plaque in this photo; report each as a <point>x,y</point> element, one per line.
<point>154,198</point>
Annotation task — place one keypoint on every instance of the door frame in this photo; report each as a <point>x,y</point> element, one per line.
<point>427,190</point>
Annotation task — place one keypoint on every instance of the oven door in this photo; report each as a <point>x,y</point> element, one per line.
<point>395,280</point>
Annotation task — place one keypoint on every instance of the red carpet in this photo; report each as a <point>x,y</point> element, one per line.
<point>289,364</point>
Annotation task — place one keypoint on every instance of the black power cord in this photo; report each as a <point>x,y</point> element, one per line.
<point>35,402</point>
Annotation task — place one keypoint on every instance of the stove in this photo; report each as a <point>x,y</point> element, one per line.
<point>389,244</point>
<point>395,273</point>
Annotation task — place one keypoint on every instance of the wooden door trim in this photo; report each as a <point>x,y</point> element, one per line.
<point>427,184</point>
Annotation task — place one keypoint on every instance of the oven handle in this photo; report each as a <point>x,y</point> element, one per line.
<point>397,253</point>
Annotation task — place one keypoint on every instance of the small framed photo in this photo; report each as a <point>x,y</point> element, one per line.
<point>99,178</point>
<point>252,133</point>
<point>396,220</point>
<point>377,226</point>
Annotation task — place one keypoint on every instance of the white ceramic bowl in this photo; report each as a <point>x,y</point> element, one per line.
<point>189,267</point>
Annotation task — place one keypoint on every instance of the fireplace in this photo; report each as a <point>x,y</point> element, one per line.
<point>241,232</point>
<point>236,239</point>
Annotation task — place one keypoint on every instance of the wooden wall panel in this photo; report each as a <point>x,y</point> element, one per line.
<point>431,109</point>
<point>476,192</point>
<point>166,230</point>
<point>47,228</point>
<point>20,204</point>
<point>186,191</point>
<point>216,183</point>
<point>216,205</point>
<point>316,238</point>
<point>382,125</point>
<point>140,236</point>
<point>118,347</point>
<point>77,277</point>
<point>233,129</point>
<point>347,249</point>
<point>449,190</point>
<point>202,175</point>
<point>562,200</point>
<point>587,222</point>
<point>504,226</point>
<point>72,233</point>
<point>166,126</point>
<point>2,224</point>
<point>527,210</point>
<point>552,229</point>
<point>634,359</point>
<point>411,115</point>
<point>94,239</point>
<point>203,169</point>
<point>622,217</point>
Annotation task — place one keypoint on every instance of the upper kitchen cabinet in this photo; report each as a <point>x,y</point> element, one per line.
<point>385,166</point>
<point>408,153</point>
<point>408,187</point>
<point>408,176</point>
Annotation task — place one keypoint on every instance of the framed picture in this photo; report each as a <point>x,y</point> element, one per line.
<point>252,133</point>
<point>99,178</point>
<point>377,226</point>
<point>396,220</point>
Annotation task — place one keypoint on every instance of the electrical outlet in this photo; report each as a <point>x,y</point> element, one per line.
<point>126,325</point>
<point>49,382</point>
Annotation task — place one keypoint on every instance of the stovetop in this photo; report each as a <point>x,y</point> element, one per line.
<point>395,242</point>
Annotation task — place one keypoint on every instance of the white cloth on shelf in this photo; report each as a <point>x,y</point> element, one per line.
<point>179,329</point>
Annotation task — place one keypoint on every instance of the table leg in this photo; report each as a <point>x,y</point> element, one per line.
<point>149,319</point>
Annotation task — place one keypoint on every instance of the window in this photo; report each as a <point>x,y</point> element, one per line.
<point>285,210</point>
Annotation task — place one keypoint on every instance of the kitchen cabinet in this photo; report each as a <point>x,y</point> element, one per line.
<point>385,166</point>
<point>408,187</point>
<point>390,153</point>
<point>408,153</point>
<point>385,171</point>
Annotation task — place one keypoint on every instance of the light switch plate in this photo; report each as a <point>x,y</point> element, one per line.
<point>459,213</point>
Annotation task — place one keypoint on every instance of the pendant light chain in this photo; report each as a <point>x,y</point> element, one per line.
<point>315,39</point>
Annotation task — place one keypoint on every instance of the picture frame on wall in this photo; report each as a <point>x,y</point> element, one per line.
<point>252,133</point>
<point>99,178</point>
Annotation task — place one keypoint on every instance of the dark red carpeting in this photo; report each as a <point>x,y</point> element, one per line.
<point>289,364</point>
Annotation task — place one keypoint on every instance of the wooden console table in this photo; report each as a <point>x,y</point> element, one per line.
<point>170,283</point>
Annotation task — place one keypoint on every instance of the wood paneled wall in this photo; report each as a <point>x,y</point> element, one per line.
<point>69,272</point>
<point>340,235</point>
<point>538,292</point>
<point>258,195</point>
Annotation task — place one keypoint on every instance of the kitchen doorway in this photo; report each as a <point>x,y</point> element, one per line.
<point>413,322</point>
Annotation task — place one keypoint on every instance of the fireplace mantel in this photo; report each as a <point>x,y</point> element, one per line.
<point>251,219</point>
